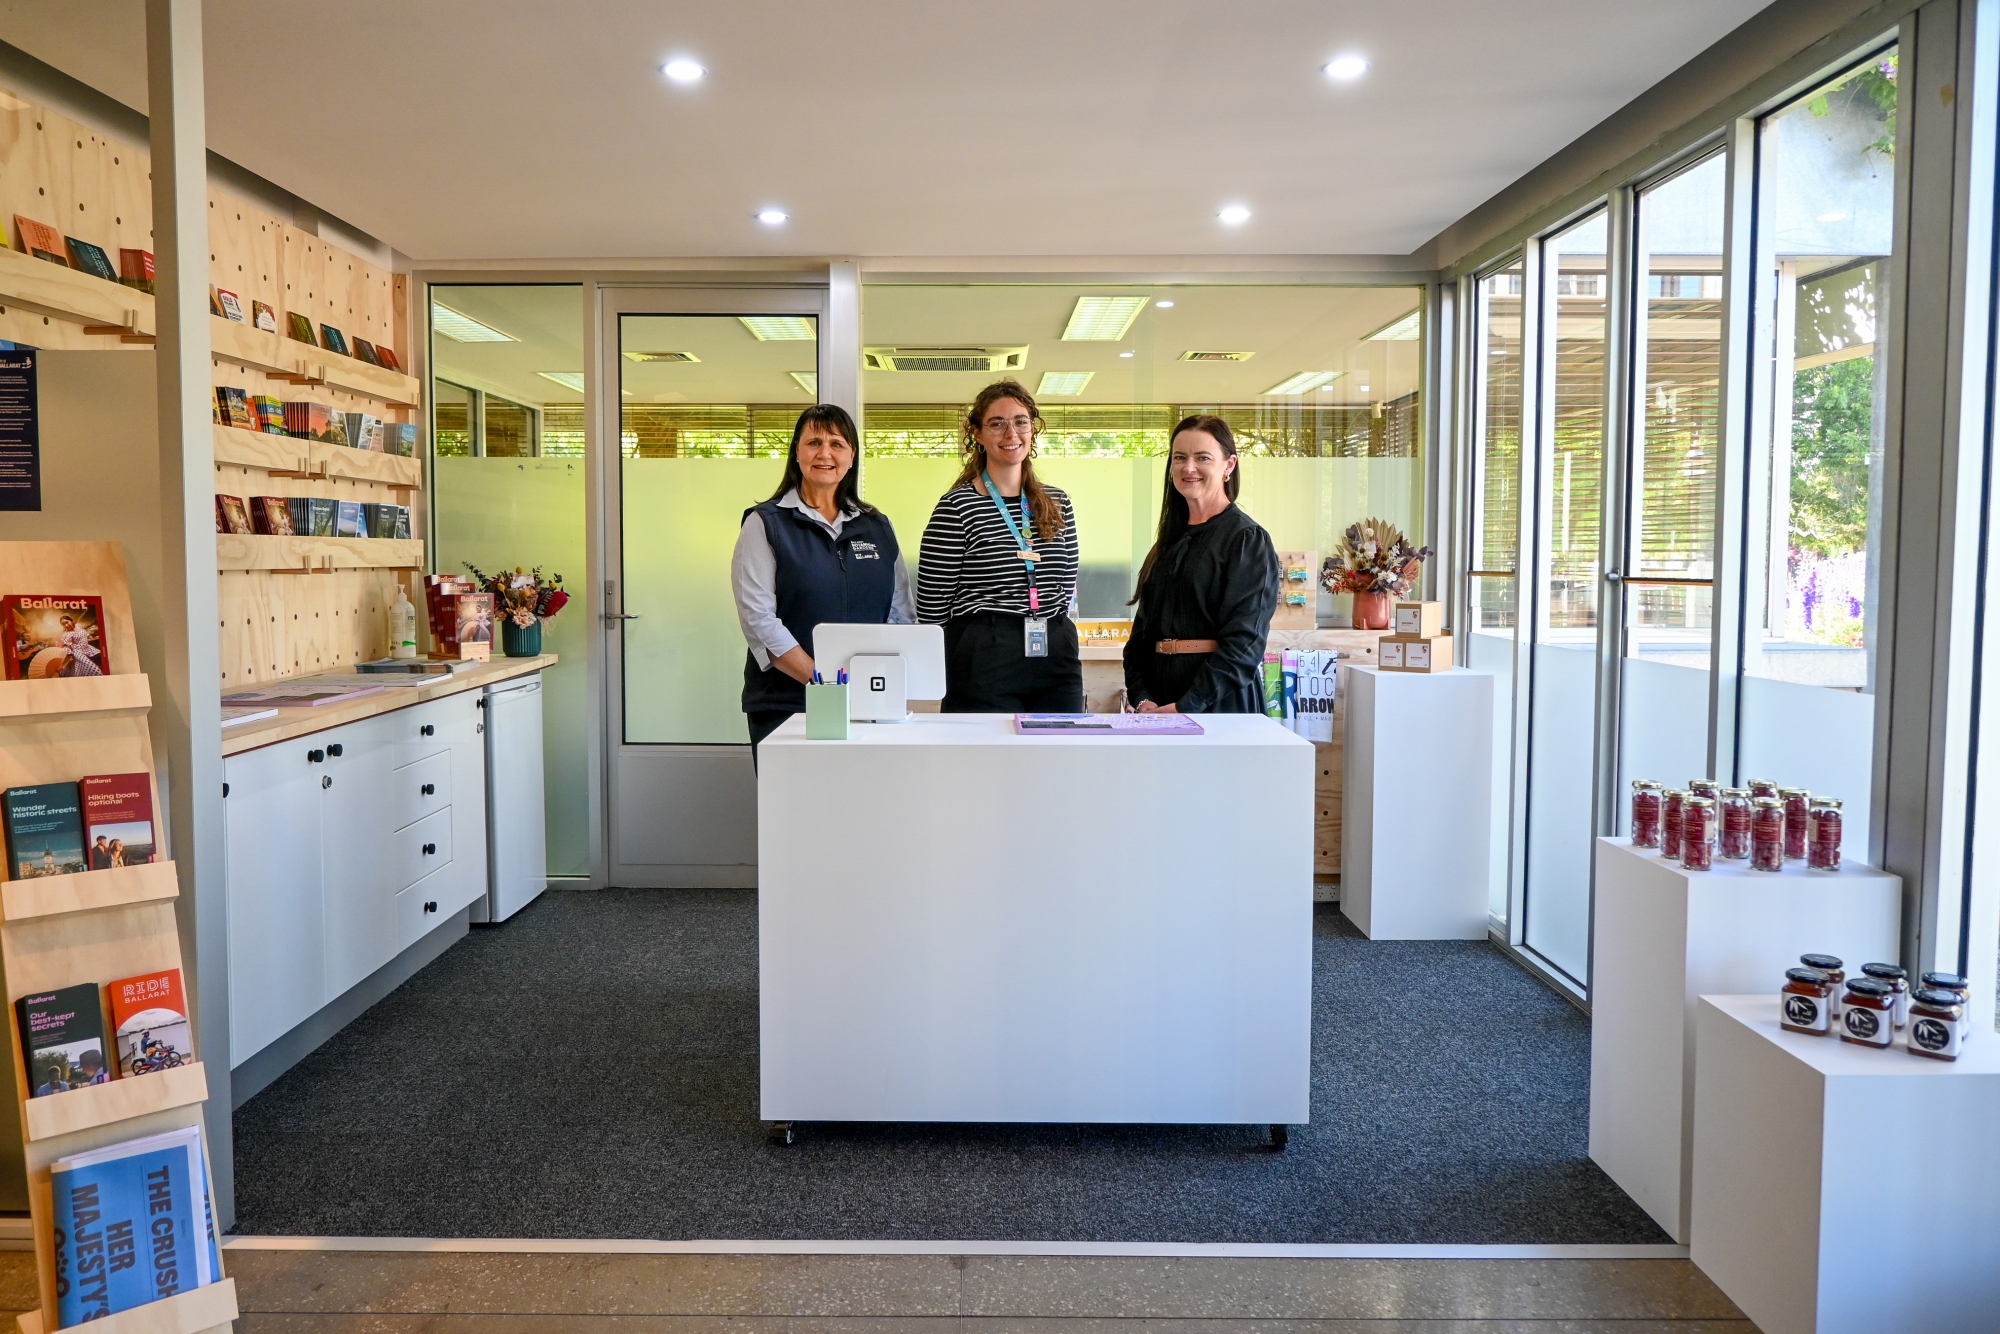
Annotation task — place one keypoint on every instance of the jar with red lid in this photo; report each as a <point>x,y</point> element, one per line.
<point>1761,787</point>
<point>1898,981</point>
<point>1671,807</point>
<point>1836,973</point>
<point>1805,1005</point>
<point>1698,833</point>
<point>1732,839</point>
<point>1646,798</point>
<point>1868,1013</point>
<point>1798,812</point>
<point>1767,834</point>
<point>1937,1024</point>
<point>1823,835</point>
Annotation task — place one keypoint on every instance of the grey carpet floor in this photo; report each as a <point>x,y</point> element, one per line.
<point>589,1069</point>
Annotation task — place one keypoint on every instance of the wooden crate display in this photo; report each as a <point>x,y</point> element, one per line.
<point>96,926</point>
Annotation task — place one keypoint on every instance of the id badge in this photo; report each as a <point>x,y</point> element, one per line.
<point>1038,637</point>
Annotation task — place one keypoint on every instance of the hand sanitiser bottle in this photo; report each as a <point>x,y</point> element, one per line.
<point>402,627</point>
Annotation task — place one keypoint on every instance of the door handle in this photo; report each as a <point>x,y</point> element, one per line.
<point>431,905</point>
<point>430,789</point>
<point>427,730</point>
<point>315,757</point>
<point>336,750</point>
<point>430,849</point>
<point>623,616</point>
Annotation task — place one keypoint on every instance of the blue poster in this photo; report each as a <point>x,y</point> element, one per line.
<point>20,434</point>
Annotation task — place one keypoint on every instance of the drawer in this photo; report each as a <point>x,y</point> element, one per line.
<point>418,849</point>
<point>421,789</point>
<point>437,725</point>
<point>422,906</point>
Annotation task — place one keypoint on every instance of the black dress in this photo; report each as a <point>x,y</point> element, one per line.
<point>1219,580</point>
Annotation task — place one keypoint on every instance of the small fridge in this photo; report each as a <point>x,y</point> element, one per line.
<point>517,862</point>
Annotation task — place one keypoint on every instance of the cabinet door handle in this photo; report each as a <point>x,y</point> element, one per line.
<point>225,789</point>
<point>429,790</point>
<point>336,750</point>
<point>431,906</point>
<point>315,757</point>
<point>430,849</point>
<point>326,782</point>
<point>427,730</point>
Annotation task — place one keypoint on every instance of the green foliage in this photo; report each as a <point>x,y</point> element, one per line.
<point>1875,81</point>
<point>1832,427</point>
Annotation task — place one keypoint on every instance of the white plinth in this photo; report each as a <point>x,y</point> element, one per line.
<point>1839,1190</point>
<point>956,923</point>
<point>1663,937</point>
<point>1416,810</point>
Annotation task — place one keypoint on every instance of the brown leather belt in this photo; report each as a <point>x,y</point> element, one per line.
<point>1186,646</point>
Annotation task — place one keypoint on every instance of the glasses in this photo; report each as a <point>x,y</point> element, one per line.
<point>1010,426</point>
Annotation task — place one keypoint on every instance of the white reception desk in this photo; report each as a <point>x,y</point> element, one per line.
<point>957,923</point>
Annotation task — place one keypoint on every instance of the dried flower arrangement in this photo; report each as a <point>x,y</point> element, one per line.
<point>522,596</point>
<point>1374,557</point>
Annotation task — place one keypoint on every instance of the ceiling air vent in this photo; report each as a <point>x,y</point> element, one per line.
<point>1217,356</point>
<point>661,356</point>
<point>985,360</point>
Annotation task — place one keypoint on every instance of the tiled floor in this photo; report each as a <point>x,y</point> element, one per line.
<point>361,1292</point>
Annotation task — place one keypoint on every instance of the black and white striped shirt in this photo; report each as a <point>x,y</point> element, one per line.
<point>970,562</point>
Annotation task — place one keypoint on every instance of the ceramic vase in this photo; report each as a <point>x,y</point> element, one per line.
<point>521,641</point>
<point>1371,612</point>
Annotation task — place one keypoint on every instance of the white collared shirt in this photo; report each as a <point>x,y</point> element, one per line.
<point>753,575</point>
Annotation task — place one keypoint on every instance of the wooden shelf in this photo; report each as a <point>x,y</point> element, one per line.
<point>212,1307</point>
<point>367,465</point>
<point>288,456</point>
<point>71,294</point>
<point>307,363</point>
<point>120,1100</point>
<point>36,701</point>
<point>87,891</point>
<point>245,551</point>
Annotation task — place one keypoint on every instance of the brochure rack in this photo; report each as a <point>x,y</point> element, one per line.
<point>95,926</point>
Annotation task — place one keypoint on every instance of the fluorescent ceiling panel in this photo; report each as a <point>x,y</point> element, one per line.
<point>780,328</point>
<point>661,356</point>
<point>808,381</point>
<point>1404,330</point>
<point>567,379</point>
<point>1304,381</point>
<point>464,329</point>
<point>1196,354</point>
<point>1102,319</point>
<point>1063,384</point>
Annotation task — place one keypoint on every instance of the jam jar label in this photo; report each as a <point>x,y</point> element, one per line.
<point>1939,1037</point>
<point>1874,1027</point>
<point>1804,1012</point>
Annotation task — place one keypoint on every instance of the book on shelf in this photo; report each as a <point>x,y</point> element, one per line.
<point>239,714</point>
<point>301,327</point>
<point>215,303</point>
<point>316,421</point>
<point>320,514</point>
<point>149,1022</point>
<point>364,431</point>
<point>297,695</point>
<point>365,351</point>
<point>42,241</point>
<point>117,820</point>
<point>146,1202</point>
<point>263,316</point>
<point>400,439</point>
<point>233,515</point>
<point>272,516</point>
<point>54,634</point>
<point>233,406</point>
<point>387,356</point>
<point>334,340</point>
<point>44,827</point>
<point>91,259</point>
<point>135,269</point>
<point>232,306</point>
<point>269,413</point>
<point>62,1039</point>
<point>347,519</point>
<point>403,521</point>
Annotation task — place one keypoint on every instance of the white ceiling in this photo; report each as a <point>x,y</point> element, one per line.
<point>515,130</point>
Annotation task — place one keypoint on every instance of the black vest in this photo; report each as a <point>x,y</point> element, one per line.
<point>846,580</point>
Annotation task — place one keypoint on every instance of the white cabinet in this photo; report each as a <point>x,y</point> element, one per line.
<point>346,847</point>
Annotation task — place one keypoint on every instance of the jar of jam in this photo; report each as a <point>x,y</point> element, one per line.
<point>1698,834</point>
<point>1836,974</point>
<point>1704,787</point>
<point>1671,805</point>
<point>1761,787</point>
<point>1732,840</point>
<point>1898,981</point>
<point>1767,834</point>
<point>1805,1005</point>
<point>1937,1024</point>
<point>1868,1013</point>
<point>1823,835</point>
<point>1798,811</point>
<point>1958,987</point>
<point>1646,797</point>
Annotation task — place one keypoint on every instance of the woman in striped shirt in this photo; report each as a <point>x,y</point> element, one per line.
<point>998,570</point>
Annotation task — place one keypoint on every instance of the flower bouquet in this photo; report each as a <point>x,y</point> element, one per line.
<point>1377,564</point>
<point>522,600</point>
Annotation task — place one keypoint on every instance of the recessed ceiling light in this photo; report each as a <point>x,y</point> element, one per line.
<point>1102,319</point>
<point>1063,384</point>
<point>683,70</point>
<point>567,379</point>
<point>1164,305</point>
<point>1124,354</point>
<point>652,357</point>
<point>1234,215</point>
<point>464,329</point>
<point>773,217</point>
<point>780,328</point>
<point>808,381</point>
<point>1403,329</point>
<point>1346,67</point>
<point>1364,389</point>
<point>1304,380</point>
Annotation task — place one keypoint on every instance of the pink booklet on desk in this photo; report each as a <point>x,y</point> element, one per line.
<point>1107,724</point>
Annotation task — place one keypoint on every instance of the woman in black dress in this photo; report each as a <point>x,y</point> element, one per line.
<point>1207,590</point>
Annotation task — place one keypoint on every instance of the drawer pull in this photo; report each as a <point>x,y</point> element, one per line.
<point>430,849</point>
<point>427,730</point>
<point>315,757</point>
<point>336,750</point>
<point>431,906</point>
<point>429,789</point>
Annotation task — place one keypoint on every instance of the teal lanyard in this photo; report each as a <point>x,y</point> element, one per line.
<point>1020,531</point>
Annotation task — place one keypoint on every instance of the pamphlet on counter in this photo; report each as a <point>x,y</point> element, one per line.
<point>1107,724</point>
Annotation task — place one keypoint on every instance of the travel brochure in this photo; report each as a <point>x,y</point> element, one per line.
<point>1108,724</point>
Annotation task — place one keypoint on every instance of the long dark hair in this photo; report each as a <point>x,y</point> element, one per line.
<point>1173,505</point>
<point>1048,514</point>
<point>834,418</point>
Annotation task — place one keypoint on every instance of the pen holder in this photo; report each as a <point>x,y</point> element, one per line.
<point>826,713</point>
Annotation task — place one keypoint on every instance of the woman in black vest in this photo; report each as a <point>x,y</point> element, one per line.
<point>814,552</point>
<point>1207,590</point>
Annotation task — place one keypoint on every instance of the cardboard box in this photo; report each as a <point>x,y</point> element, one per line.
<point>1415,653</point>
<point>1424,620</point>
